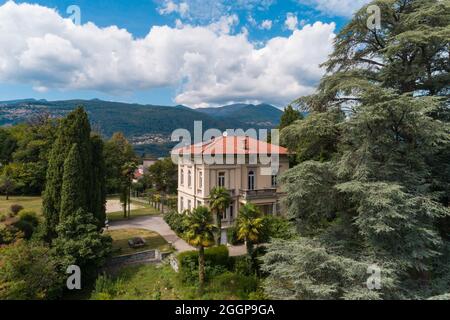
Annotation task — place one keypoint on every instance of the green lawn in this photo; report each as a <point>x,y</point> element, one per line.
<point>29,203</point>
<point>160,282</point>
<point>153,241</point>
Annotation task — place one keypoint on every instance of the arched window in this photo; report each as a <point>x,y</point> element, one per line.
<point>189,178</point>
<point>251,180</point>
<point>182,177</point>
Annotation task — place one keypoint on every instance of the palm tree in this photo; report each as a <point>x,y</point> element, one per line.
<point>249,228</point>
<point>219,201</point>
<point>200,233</point>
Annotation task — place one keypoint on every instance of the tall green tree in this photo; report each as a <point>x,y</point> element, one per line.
<point>73,194</point>
<point>73,129</point>
<point>98,194</point>
<point>117,152</point>
<point>250,225</point>
<point>367,187</point>
<point>289,116</point>
<point>7,184</point>
<point>128,171</point>
<point>200,233</point>
<point>219,201</point>
<point>7,146</point>
<point>164,174</point>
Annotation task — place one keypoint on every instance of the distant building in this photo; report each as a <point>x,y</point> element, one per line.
<point>147,163</point>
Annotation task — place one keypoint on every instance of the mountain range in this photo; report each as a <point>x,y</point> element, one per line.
<point>148,127</point>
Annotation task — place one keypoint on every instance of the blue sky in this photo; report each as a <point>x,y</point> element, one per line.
<point>192,52</point>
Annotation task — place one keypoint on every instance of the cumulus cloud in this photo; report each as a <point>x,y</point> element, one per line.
<point>266,24</point>
<point>291,21</point>
<point>208,64</point>
<point>343,8</point>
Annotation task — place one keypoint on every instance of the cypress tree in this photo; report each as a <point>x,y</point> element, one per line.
<point>73,194</point>
<point>74,128</point>
<point>98,188</point>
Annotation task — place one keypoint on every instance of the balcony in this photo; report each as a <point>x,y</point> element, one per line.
<point>258,194</point>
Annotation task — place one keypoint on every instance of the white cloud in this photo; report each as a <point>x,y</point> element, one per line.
<point>205,11</point>
<point>208,64</point>
<point>344,8</point>
<point>266,24</point>
<point>291,21</point>
<point>171,7</point>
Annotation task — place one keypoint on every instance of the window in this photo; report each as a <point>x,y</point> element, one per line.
<point>199,203</point>
<point>274,180</point>
<point>189,178</point>
<point>221,181</point>
<point>200,180</point>
<point>189,205</point>
<point>182,177</point>
<point>231,213</point>
<point>251,180</point>
<point>181,204</point>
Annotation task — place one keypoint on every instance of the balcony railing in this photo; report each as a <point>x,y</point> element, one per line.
<point>258,194</point>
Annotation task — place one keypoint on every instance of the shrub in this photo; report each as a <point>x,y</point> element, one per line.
<point>237,284</point>
<point>277,228</point>
<point>233,237</point>
<point>32,277</point>
<point>241,265</point>
<point>27,223</point>
<point>106,288</point>
<point>15,209</point>
<point>176,221</point>
<point>216,262</point>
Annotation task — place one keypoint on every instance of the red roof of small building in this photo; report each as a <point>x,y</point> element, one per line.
<point>238,145</point>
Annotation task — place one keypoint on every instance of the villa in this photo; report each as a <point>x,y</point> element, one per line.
<point>237,163</point>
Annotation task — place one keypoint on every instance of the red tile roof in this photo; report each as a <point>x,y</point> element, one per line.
<point>231,145</point>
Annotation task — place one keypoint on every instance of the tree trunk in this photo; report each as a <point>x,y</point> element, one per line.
<point>124,205</point>
<point>249,246</point>
<point>201,269</point>
<point>219,226</point>
<point>129,202</point>
<point>7,196</point>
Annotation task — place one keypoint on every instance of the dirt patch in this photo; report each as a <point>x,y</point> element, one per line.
<point>116,206</point>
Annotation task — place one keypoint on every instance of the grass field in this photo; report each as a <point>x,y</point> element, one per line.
<point>153,241</point>
<point>160,282</point>
<point>29,203</point>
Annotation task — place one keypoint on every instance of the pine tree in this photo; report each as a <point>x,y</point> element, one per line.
<point>289,116</point>
<point>378,193</point>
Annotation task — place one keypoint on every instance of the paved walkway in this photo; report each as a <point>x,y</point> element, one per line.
<point>157,224</point>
